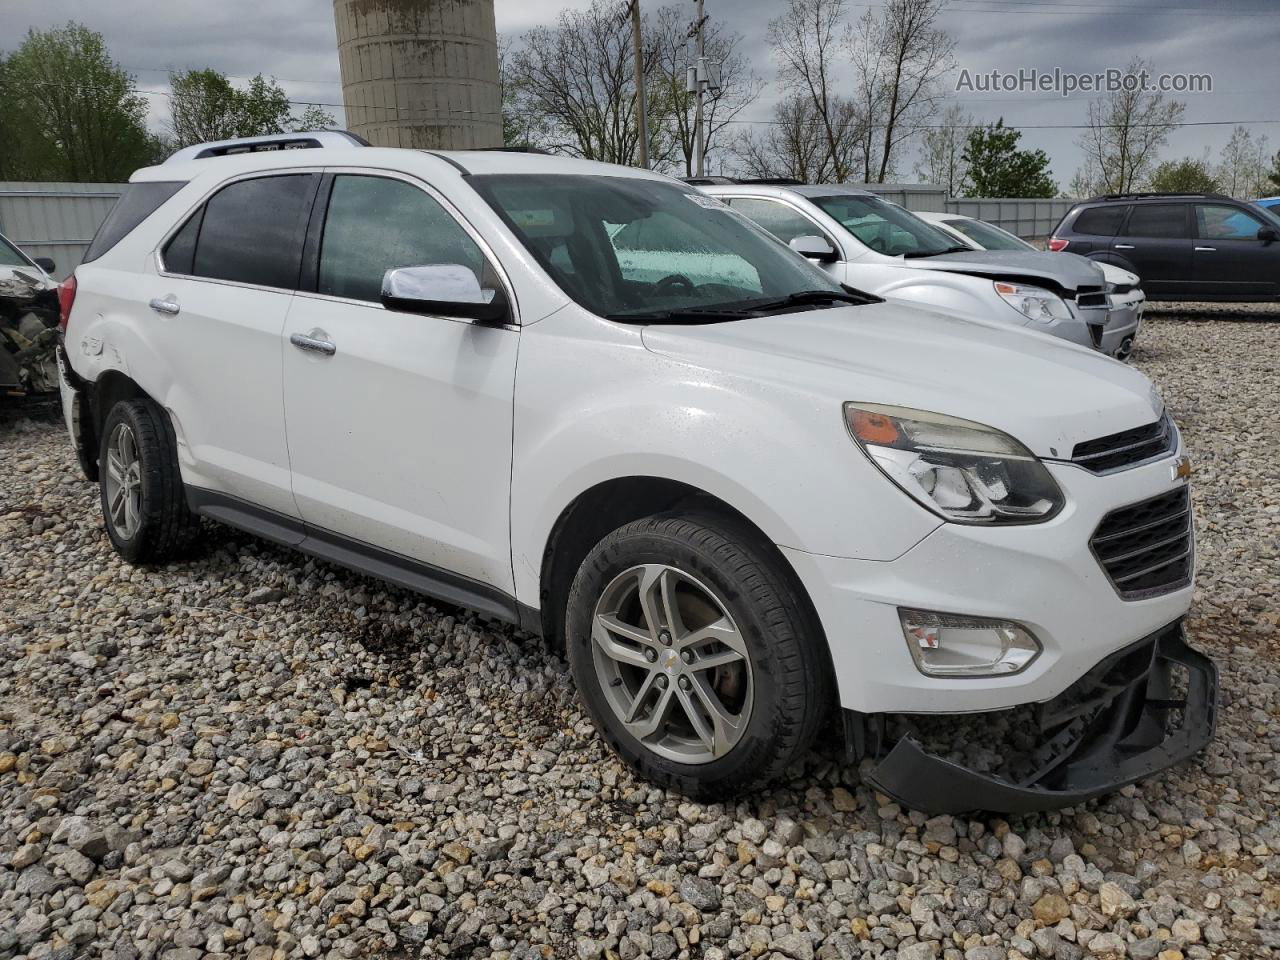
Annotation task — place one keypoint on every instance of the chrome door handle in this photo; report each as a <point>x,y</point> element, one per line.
<point>1124,246</point>
<point>165,305</point>
<point>1207,249</point>
<point>313,344</point>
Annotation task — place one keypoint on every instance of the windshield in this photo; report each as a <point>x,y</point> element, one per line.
<point>10,256</point>
<point>988,237</point>
<point>628,248</point>
<point>886,228</point>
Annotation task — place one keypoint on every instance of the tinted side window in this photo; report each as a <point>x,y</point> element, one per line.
<point>1100,221</point>
<point>375,224</point>
<point>779,219</point>
<point>1159,220</point>
<point>138,202</point>
<point>252,231</point>
<point>179,253</point>
<point>1219,222</point>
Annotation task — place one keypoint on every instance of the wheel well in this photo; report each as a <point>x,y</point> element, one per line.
<point>104,393</point>
<point>604,508</point>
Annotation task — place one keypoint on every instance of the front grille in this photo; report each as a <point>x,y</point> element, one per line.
<point>1146,549</point>
<point>1127,448</point>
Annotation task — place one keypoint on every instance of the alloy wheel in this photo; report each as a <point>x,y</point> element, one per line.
<point>672,663</point>
<point>123,480</point>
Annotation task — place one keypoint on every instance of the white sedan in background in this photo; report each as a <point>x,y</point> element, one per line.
<point>1125,287</point>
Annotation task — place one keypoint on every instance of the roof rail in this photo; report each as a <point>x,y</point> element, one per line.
<point>775,181</point>
<point>707,181</point>
<point>1157,194</point>
<point>512,149</point>
<point>302,140</point>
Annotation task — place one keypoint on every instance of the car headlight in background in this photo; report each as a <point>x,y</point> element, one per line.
<point>1034,303</point>
<point>949,645</point>
<point>964,471</point>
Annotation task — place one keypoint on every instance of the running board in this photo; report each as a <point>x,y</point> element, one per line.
<point>356,555</point>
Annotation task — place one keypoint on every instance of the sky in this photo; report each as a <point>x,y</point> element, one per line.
<point>1234,41</point>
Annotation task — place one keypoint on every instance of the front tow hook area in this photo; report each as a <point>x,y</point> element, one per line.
<point>1144,708</point>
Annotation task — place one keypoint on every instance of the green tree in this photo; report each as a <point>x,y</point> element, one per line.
<point>68,112</point>
<point>204,106</point>
<point>1184,176</point>
<point>1274,175</point>
<point>997,168</point>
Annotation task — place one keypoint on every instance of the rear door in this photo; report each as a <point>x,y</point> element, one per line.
<point>1156,239</point>
<point>400,437</point>
<point>1230,260</point>
<point>216,309</point>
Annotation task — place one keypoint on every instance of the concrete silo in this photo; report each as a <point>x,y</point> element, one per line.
<point>420,73</point>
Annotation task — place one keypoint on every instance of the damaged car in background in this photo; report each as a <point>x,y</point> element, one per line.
<point>28,324</point>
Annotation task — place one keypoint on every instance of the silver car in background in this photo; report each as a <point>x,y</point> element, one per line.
<point>1128,299</point>
<point>877,246</point>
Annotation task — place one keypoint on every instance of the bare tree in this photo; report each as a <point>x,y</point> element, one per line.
<point>808,38</point>
<point>793,144</point>
<point>942,151</point>
<point>670,102</point>
<point>1126,130</point>
<point>1242,170</point>
<point>575,85</point>
<point>900,54</point>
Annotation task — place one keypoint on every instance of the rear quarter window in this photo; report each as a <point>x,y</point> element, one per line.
<point>138,202</point>
<point>1100,221</point>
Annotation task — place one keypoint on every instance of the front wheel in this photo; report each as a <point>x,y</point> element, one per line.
<point>695,655</point>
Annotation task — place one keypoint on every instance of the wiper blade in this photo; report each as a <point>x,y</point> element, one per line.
<point>813,298</point>
<point>916,254</point>
<point>684,315</point>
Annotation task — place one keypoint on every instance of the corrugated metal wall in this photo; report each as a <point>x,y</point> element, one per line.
<point>55,220</point>
<point>1028,219</point>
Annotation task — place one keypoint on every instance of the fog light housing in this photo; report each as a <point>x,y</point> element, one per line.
<point>950,645</point>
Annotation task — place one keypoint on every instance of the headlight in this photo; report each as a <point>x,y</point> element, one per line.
<point>1035,303</point>
<point>963,470</point>
<point>949,645</point>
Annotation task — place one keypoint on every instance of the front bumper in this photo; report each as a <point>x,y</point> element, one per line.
<point>1142,709</point>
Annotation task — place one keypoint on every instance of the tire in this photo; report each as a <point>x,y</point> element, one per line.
<point>153,523</point>
<point>788,683</point>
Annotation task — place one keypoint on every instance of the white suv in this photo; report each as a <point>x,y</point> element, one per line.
<point>595,402</point>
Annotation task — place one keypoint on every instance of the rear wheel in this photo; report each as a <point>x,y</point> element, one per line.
<point>695,655</point>
<point>143,501</point>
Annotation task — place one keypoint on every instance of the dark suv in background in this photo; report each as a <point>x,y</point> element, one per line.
<point>1183,246</point>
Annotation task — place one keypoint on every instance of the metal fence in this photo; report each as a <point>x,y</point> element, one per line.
<point>1028,219</point>
<point>55,220</point>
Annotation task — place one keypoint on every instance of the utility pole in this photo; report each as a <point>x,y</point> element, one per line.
<point>700,144</point>
<point>642,111</point>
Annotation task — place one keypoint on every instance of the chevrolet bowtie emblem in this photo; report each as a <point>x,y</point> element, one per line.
<point>1182,469</point>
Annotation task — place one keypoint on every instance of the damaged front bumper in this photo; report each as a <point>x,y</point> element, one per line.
<point>1142,709</point>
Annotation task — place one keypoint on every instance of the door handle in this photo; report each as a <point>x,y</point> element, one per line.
<point>166,305</point>
<point>313,344</point>
<point>1124,246</point>
<point>1207,249</point>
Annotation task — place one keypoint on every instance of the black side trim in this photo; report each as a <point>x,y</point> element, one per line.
<point>361,557</point>
<point>450,161</point>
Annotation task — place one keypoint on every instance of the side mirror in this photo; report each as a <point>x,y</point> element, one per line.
<point>814,248</point>
<point>1267,234</point>
<point>46,264</point>
<point>443,289</point>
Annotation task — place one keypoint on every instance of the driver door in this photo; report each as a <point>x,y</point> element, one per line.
<point>399,430</point>
<point>786,223</point>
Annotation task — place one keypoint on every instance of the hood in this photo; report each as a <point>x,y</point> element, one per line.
<point>1063,273</point>
<point>1118,275</point>
<point>1047,393</point>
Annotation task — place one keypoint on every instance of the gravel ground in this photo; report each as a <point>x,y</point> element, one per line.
<point>251,754</point>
